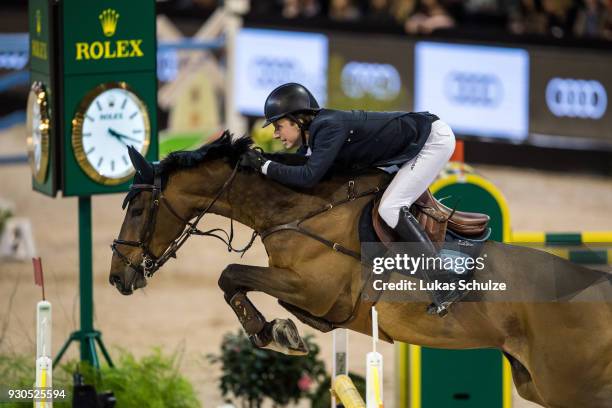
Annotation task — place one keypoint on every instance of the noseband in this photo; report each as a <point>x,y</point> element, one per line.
<point>150,263</point>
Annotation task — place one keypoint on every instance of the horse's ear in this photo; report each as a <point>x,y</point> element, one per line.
<point>144,169</point>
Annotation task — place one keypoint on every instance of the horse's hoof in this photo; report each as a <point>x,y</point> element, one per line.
<point>282,336</point>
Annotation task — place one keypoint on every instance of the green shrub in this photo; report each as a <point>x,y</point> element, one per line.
<point>151,381</point>
<point>253,374</point>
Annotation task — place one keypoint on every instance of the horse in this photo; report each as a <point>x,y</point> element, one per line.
<point>560,352</point>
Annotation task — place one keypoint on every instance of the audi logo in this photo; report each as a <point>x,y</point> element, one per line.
<point>467,88</point>
<point>13,60</point>
<point>268,72</point>
<point>381,81</point>
<point>576,98</point>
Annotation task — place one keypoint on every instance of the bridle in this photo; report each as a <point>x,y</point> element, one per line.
<point>151,263</point>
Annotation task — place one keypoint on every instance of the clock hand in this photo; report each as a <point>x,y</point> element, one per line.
<point>119,135</point>
<point>112,132</point>
<point>130,138</point>
<point>115,133</point>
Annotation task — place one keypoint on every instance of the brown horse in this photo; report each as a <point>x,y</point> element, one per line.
<point>560,352</point>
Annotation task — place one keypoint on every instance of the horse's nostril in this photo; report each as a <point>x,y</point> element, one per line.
<point>115,280</point>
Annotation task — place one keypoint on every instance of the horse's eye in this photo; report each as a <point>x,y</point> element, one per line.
<point>136,212</point>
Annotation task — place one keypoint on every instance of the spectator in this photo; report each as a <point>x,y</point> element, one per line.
<point>528,18</point>
<point>267,8</point>
<point>206,4</point>
<point>311,8</point>
<point>378,12</point>
<point>483,6</point>
<point>343,10</point>
<point>401,10</point>
<point>560,16</point>
<point>607,22</point>
<point>590,19</point>
<point>430,16</point>
<point>291,9</point>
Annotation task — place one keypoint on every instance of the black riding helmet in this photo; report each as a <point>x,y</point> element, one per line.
<point>288,99</point>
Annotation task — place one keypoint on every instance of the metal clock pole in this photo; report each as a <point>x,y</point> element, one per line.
<point>88,349</point>
<point>86,336</point>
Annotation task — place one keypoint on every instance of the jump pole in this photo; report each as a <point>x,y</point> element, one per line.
<point>374,367</point>
<point>44,364</point>
<point>340,358</point>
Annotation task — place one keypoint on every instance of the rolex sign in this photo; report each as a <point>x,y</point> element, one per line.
<point>108,49</point>
<point>111,37</point>
<point>109,91</point>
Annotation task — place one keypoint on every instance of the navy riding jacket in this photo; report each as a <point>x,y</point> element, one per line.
<point>354,140</point>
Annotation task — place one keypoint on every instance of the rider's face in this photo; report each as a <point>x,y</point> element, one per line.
<point>288,132</point>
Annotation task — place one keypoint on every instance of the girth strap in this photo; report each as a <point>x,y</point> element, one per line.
<point>294,226</point>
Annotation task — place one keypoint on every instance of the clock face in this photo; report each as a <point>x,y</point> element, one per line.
<point>110,119</point>
<point>38,131</point>
<point>35,134</point>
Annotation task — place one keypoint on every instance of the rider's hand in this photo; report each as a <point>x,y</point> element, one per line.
<point>253,159</point>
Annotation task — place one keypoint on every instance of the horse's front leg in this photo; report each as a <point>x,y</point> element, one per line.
<point>279,335</point>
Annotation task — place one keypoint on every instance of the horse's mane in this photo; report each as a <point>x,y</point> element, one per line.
<point>226,147</point>
<point>230,149</point>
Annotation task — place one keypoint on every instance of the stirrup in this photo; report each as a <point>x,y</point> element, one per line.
<point>440,310</point>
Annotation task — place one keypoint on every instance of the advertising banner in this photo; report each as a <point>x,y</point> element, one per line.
<point>570,93</point>
<point>370,73</point>
<point>266,59</point>
<point>478,90</point>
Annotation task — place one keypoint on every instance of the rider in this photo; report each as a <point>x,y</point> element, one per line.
<point>418,143</point>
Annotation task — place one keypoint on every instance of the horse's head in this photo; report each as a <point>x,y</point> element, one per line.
<point>141,238</point>
<point>161,209</point>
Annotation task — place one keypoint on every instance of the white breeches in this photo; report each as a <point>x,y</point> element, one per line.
<point>415,176</point>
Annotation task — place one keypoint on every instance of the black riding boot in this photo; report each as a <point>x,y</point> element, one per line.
<point>410,230</point>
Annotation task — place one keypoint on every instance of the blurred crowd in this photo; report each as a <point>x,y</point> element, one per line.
<point>557,18</point>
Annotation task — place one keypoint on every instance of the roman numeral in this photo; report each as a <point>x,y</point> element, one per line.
<point>135,131</point>
<point>100,162</point>
<point>123,104</point>
<point>133,114</point>
<point>99,106</point>
<point>125,160</point>
<point>112,165</point>
<point>90,150</point>
<point>87,134</point>
<point>89,117</point>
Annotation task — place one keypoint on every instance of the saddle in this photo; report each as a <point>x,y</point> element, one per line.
<point>435,218</point>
